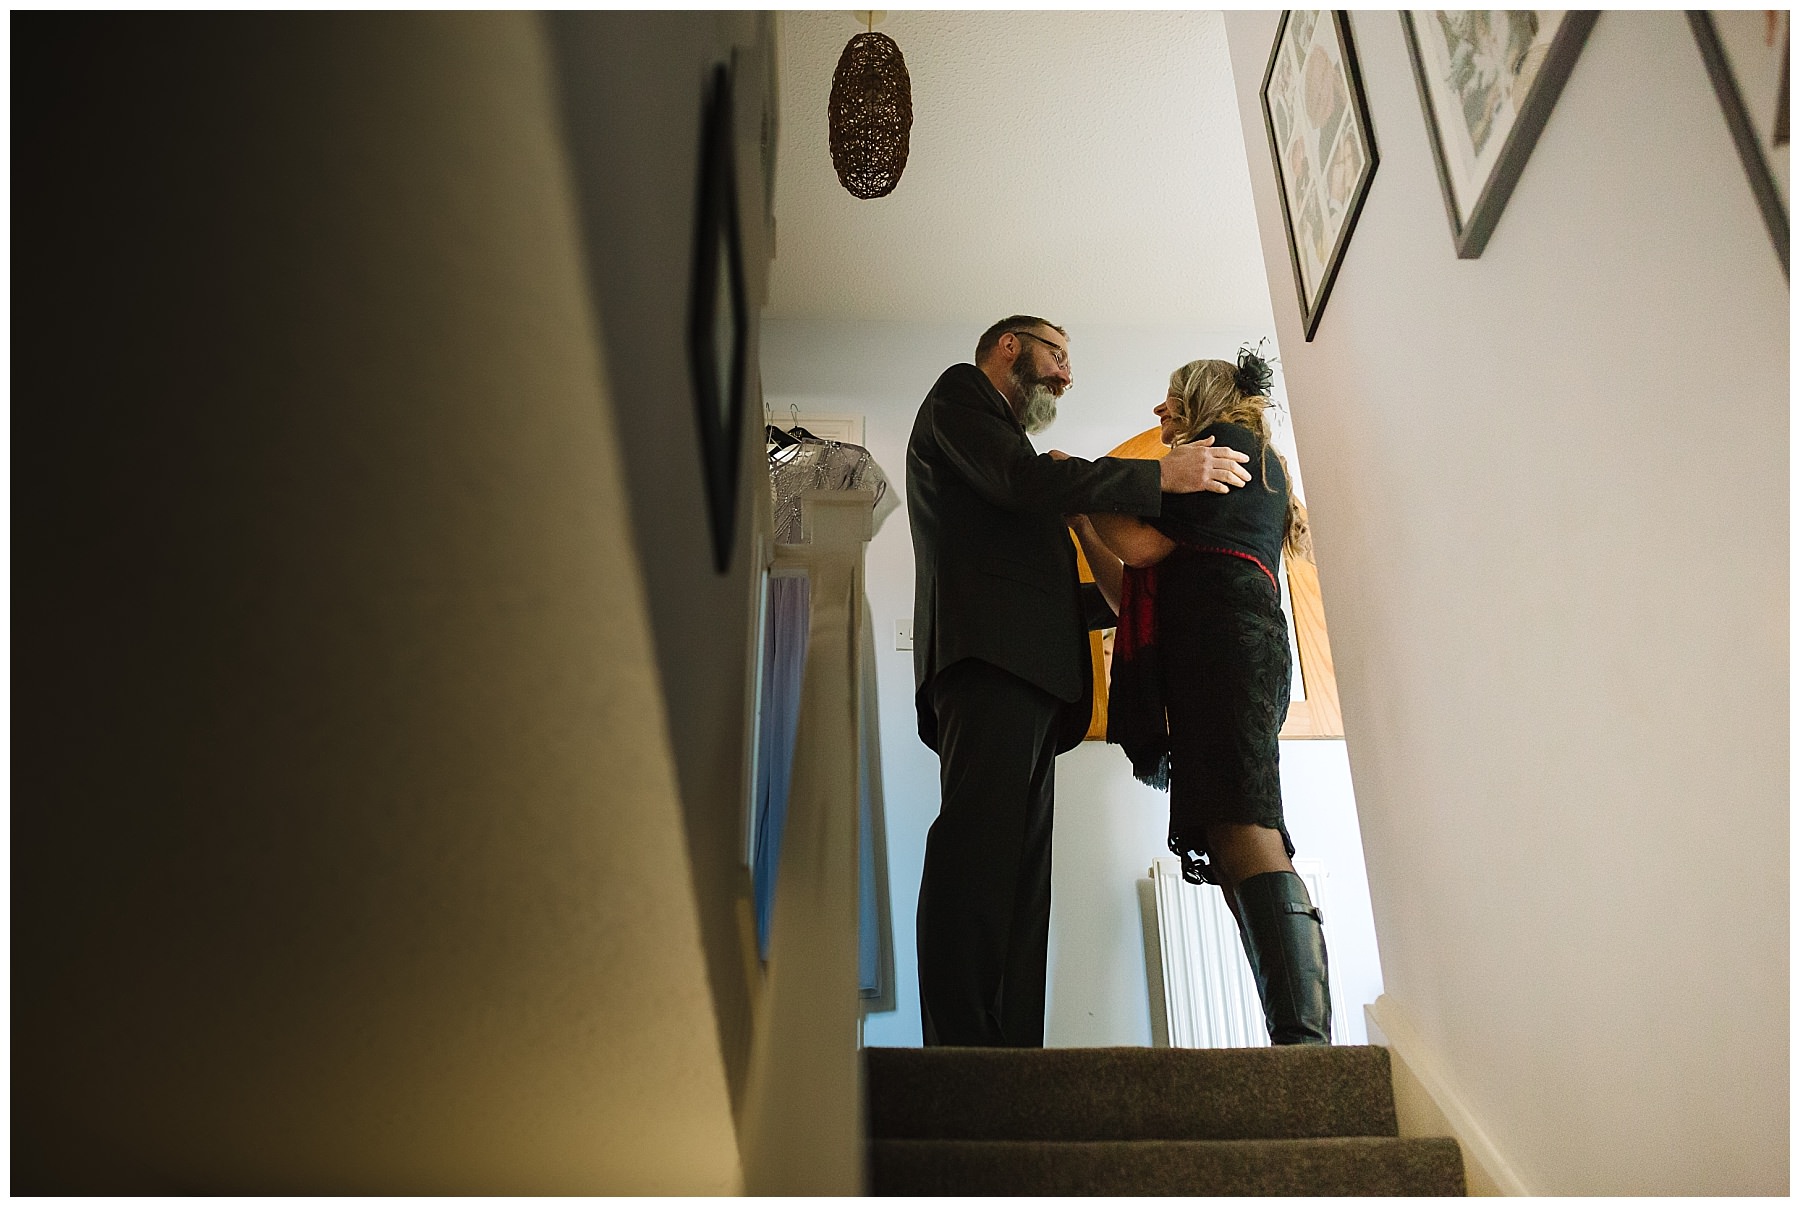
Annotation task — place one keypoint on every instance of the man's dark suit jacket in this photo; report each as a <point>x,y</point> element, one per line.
<point>995,567</point>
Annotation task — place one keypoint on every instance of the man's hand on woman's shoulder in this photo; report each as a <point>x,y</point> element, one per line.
<point>1201,466</point>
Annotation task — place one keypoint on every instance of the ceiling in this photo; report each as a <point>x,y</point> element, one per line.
<point>1088,166</point>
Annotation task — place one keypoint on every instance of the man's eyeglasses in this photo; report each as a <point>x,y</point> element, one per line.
<point>1057,353</point>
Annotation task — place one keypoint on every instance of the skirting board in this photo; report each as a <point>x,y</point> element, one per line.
<point>1427,1105</point>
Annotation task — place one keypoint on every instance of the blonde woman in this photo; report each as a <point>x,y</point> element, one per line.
<point>1200,679</point>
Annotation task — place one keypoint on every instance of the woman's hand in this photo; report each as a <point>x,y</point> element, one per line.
<point>1056,454</point>
<point>1108,573</point>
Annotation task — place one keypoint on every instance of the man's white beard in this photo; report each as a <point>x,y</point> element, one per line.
<point>1040,408</point>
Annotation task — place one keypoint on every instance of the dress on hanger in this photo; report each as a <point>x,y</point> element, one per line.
<point>814,464</point>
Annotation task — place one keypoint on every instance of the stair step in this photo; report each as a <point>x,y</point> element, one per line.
<point>1122,1094</point>
<point>1334,1166</point>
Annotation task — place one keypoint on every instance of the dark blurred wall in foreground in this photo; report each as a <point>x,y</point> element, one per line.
<point>354,522</point>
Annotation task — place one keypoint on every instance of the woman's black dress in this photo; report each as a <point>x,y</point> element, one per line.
<point>1203,641</point>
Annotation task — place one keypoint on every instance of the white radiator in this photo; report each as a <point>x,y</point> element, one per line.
<point>1207,995</point>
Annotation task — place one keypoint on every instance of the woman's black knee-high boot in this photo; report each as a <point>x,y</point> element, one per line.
<point>1286,946</point>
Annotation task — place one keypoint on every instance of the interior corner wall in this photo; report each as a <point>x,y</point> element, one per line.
<point>348,854</point>
<point>1549,489</point>
<point>631,87</point>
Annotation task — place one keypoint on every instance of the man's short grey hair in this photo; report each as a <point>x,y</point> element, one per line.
<point>1017,322</point>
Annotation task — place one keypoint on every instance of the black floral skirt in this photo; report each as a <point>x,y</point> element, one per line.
<point>1223,647</point>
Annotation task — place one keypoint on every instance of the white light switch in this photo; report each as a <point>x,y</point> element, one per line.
<point>903,634</point>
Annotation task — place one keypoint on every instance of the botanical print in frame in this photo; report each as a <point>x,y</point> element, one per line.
<point>1487,82</point>
<point>1746,53</point>
<point>1323,146</point>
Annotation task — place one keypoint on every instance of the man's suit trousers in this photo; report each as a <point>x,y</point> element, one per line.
<point>984,899</point>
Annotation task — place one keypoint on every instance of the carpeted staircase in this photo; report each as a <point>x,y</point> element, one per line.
<point>1141,1121</point>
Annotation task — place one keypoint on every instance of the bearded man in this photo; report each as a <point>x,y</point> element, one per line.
<point>1001,664</point>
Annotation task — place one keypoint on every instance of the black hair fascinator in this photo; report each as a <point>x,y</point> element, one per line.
<point>1254,375</point>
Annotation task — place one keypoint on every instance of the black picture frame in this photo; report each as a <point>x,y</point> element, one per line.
<point>1319,234</point>
<point>718,317</point>
<point>1472,224</point>
<point>1743,130</point>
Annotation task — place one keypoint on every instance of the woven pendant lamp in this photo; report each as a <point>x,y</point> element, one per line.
<point>871,115</point>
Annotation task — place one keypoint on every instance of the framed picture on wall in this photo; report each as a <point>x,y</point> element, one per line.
<point>1746,53</point>
<point>718,318</point>
<point>1487,82</point>
<point>1323,147</point>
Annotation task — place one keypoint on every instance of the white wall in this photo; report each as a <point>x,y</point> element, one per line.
<point>1550,495</point>
<point>1108,826</point>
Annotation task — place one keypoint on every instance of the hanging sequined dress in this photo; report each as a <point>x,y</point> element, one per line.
<point>821,465</point>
